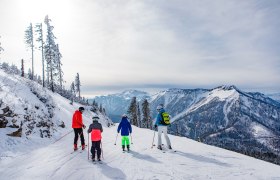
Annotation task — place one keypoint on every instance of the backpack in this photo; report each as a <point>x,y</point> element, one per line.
<point>165,118</point>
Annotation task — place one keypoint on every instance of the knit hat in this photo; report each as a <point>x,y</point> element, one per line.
<point>95,118</point>
<point>159,107</point>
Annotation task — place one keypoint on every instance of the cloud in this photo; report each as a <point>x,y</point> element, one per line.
<point>121,43</point>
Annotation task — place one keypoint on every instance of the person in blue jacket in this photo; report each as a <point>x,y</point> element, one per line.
<point>162,128</point>
<point>125,128</point>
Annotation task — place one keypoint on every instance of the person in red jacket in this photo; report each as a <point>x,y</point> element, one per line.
<point>95,129</point>
<point>77,125</point>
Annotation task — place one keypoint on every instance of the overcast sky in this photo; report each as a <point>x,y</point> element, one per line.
<point>153,44</point>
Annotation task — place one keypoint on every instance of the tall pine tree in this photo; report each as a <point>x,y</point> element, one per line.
<point>30,43</point>
<point>59,64</point>
<point>53,59</point>
<point>73,92</point>
<point>39,31</point>
<point>147,120</point>
<point>50,48</point>
<point>132,112</point>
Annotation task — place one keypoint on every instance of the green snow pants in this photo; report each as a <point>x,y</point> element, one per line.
<point>125,140</point>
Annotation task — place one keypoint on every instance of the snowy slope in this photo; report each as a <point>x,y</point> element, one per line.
<point>275,96</point>
<point>34,157</point>
<point>36,111</point>
<point>192,160</point>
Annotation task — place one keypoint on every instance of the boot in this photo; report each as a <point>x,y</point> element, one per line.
<point>83,147</point>
<point>159,147</point>
<point>127,147</point>
<point>123,147</point>
<point>169,147</point>
<point>75,147</point>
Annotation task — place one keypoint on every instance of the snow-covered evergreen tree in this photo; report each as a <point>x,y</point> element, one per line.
<point>73,92</point>
<point>14,69</point>
<point>10,69</point>
<point>29,74</point>
<point>30,43</point>
<point>39,31</point>
<point>59,64</point>
<point>5,66</point>
<point>78,85</point>
<point>52,56</point>
<point>49,53</point>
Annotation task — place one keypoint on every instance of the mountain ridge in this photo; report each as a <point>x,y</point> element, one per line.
<point>223,114</point>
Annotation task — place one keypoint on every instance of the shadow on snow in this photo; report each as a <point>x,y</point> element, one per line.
<point>202,159</point>
<point>144,157</point>
<point>112,173</point>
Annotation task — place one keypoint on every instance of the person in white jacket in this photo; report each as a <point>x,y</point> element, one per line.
<point>161,123</point>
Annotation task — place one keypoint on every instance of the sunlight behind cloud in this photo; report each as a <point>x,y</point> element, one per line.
<point>35,10</point>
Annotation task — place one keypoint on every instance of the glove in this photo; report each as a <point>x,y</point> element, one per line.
<point>84,126</point>
<point>155,126</point>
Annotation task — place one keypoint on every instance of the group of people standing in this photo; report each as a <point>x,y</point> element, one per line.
<point>95,129</point>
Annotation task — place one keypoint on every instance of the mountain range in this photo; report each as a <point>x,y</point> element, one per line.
<point>225,116</point>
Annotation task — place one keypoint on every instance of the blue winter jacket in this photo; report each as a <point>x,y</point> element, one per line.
<point>125,127</point>
<point>159,118</point>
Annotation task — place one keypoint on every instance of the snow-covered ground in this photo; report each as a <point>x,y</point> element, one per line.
<point>33,157</point>
<point>192,160</point>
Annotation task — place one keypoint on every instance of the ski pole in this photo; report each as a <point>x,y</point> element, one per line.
<point>88,146</point>
<point>101,150</point>
<point>131,139</point>
<point>153,139</point>
<point>116,138</point>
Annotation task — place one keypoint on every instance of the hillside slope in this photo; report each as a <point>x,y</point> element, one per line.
<point>32,116</point>
<point>192,160</point>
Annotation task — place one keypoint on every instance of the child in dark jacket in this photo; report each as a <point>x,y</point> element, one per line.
<point>95,129</point>
<point>125,128</point>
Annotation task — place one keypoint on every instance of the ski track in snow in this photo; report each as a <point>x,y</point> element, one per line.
<point>191,161</point>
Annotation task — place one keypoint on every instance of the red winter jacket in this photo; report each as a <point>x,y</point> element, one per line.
<point>95,129</point>
<point>77,120</point>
